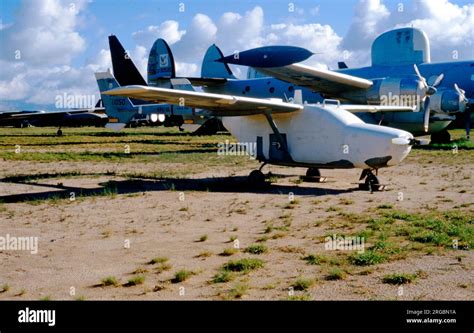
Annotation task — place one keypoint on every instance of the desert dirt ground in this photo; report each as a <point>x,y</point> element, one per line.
<point>150,215</point>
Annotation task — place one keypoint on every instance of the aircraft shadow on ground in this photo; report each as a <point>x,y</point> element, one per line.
<point>143,142</point>
<point>110,134</point>
<point>236,184</point>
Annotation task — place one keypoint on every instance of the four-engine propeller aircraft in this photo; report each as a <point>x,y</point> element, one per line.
<point>400,64</point>
<point>293,134</point>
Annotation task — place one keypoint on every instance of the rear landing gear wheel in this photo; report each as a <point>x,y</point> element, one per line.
<point>371,183</point>
<point>314,173</point>
<point>256,178</point>
<point>59,132</point>
<point>441,137</point>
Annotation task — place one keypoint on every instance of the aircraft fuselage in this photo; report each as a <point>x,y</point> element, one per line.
<point>322,137</point>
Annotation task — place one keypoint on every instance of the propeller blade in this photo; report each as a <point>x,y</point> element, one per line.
<point>438,80</point>
<point>460,91</point>
<point>456,87</point>
<point>426,115</point>
<point>467,115</point>
<point>429,89</point>
<point>417,71</point>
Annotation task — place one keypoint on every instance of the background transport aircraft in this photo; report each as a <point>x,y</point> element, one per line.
<point>161,73</point>
<point>400,66</point>
<point>60,118</point>
<point>293,134</point>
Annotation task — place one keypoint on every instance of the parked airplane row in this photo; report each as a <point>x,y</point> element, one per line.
<point>397,76</point>
<point>298,115</point>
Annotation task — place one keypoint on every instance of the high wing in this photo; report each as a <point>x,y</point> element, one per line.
<point>326,82</point>
<point>220,105</point>
<point>228,105</point>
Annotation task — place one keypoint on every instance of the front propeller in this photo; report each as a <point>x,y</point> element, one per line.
<point>429,90</point>
<point>426,114</point>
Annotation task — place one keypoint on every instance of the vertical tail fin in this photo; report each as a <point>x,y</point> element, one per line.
<point>213,69</point>
<point>161,67</point>
<point>120,110</point>
<point>125,70</point>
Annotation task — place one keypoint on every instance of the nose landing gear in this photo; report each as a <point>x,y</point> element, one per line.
<point>256,177</point>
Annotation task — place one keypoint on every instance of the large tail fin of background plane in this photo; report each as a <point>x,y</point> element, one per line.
<point>213,69</point>
<point>161,67</point>
<point>120,110</point>
<point>125,70</point>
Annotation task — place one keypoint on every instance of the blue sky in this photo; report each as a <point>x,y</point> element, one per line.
<point>128,16</point>
<point>61,51</point>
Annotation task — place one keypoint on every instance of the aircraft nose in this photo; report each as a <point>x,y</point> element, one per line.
<point>400,146</point>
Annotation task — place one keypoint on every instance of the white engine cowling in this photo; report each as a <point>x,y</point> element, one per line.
<point>401,92</point>
<point>447,101</point>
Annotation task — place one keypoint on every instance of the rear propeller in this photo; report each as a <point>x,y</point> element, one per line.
<point>466,108</point>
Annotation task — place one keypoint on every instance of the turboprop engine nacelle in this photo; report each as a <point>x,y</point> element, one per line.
<point>448,101</point>
<point>392,91</point>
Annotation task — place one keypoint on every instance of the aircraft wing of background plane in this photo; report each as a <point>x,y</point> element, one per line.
<point>327,82</point>
<point>281,62</point>
<point>53,114</point>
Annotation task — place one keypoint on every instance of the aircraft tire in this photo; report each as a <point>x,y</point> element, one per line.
<point>372,183</point>
<point>441,137</point>
<point>256,178</point>
<point>314,174</point>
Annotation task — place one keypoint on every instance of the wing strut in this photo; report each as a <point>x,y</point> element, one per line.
<point>281,141</point>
